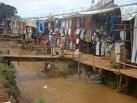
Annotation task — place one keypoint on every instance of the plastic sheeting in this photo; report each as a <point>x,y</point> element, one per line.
<point>128,12</point>
<point>96,11</point>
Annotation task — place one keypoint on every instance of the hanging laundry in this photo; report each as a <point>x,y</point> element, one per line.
<point>71,45</point>
<point>112,22</point>
<point>134,47</point>
<point>74,25</point>
<point>15,24</point>
<point>97,48</point>
<point>88,38</point>
<point>100,20</point>
<point>62,31</point>
<point>78,30</point>
<point>46,28</point>
<point>41,26</point>
<point>89,23</point>
<point>117,51</point>
<point>70,27</point>
<point>67,43</point>
<point>22,27</point>
<point>102,47</point>
<point>83,31</point>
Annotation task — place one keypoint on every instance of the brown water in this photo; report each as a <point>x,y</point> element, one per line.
<point>61,90</point>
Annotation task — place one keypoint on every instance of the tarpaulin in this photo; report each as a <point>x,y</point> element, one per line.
<point>128,12</point>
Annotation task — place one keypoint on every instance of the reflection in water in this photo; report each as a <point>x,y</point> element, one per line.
<point>61,90</point>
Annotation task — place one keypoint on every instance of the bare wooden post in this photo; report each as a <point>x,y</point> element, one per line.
<point>78,67</point>
<point>87,47</point>
<point>120,81</point>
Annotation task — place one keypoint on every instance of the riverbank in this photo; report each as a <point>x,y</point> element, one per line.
<point>8,88</point>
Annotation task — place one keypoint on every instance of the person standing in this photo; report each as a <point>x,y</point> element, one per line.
<point>52,41</point>
<point>62,42</point>
<point>46,44</point>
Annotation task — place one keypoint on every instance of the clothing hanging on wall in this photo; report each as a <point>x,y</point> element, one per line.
<point>22,27</point>
<point>112,22</point>
<point>117,51</point>
<point>41,26</point>
<point>102,48</point>
<point>97,47</point>
<point>46,28</point>
<point>82,33</point>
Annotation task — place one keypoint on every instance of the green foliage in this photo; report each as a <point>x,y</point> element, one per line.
<point>7,74</point>
<point>39,101</point>
<point>6,11</point>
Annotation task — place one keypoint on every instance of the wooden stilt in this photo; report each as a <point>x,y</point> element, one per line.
<point>120,81</point>
<point>78,68</point>
<point>87,47</point>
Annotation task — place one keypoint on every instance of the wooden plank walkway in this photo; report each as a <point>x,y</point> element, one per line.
<point>87,59</point>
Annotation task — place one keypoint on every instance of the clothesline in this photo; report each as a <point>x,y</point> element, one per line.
<point>81,12</point>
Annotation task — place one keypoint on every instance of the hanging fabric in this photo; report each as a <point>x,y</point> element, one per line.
<point>83,31</point>
<point>117,51</point>
<point>102,48</point>
<point>46,28</point>
<point>134,48</point>
<point>97,48</point>
<point>112,22</point>
<point>22,27</point>
<point>41,26</point>
<point>70,27</point>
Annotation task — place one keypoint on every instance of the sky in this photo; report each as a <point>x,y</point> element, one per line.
<point>32,8</point>
<point>35,8</point>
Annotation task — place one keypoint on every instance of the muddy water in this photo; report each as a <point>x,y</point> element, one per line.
<point>61,90</point>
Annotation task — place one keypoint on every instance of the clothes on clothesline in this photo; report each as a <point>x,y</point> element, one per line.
<point>41,26</point>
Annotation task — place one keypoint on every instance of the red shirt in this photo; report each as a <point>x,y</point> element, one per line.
<point>46,42</point>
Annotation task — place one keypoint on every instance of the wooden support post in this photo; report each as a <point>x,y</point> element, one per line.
<point>87,47</point>
<point>117,80</point>
<point>78,67</point>
<point>20,53</point>
<point>126,81</point>
<point>124,67</point>
<point>120,81</point>
<point>131,34</point>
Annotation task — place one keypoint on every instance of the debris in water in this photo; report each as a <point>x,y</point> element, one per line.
<point>45,87</point>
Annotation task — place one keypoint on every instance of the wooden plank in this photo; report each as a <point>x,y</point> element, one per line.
<point>86,59</point>
<point>130,72</point>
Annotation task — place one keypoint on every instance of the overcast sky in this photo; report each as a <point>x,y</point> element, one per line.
<point>30,8</point>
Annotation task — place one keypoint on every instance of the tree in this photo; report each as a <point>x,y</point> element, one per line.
<point>6,11</point>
